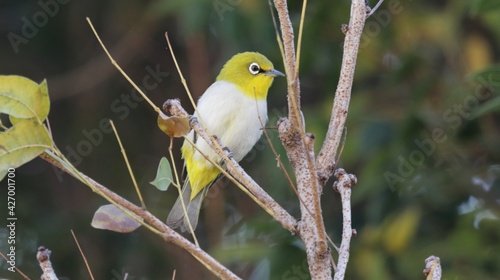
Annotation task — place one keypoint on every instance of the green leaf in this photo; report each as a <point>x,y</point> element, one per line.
<point>163,175</point>
<point>492,105</point>
<point>110,217</point>
<point>22,143</point>
<point>488,77</point>
<point>22,98</point>
<point>485,6</point>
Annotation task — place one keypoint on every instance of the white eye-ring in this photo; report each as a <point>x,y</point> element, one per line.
<point>254,68</point>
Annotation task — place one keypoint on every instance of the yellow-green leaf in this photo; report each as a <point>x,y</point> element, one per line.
<point>112,218</point>
<point>2,174</point>
<point>22,98</point>
<point>23,142</point>
<point>163,175</point>
<point>401,229</point>
<point>490,106</point>
<point>174,126</point>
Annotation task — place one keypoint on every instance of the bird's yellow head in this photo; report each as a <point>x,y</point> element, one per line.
<point>252,72</point>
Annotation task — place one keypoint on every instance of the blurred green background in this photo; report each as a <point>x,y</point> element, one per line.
<point>423,134</point>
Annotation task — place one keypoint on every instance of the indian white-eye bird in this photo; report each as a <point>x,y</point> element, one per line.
<point>230,109</point>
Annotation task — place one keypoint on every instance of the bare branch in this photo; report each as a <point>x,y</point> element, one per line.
<point>433,268</point>
<point>166,233</point>
<point>83,255</point>
<point>325,160</point>
<point>15,267</point>
<point>43,257</point>
<point>288,38</point>
<point>371,11</point>
<point>343,185</point>
<point>299,147</point>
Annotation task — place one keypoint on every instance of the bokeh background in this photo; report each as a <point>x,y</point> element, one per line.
<point>423,134</point>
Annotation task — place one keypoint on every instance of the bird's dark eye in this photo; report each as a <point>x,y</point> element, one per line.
<point>254,68</point>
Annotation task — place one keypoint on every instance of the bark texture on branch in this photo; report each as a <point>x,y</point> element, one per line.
<point>299,147</point>
<point>43,257</point>
<point>312,174</point>
<point>167,233</point>
<point>433,268</point>
<point>328,154</point>
<point>311,229</point>
<point>343,185</point>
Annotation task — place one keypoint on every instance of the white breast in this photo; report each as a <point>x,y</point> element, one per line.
<point>233,117</point>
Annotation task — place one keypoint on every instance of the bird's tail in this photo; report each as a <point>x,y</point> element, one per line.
<point>176,217</point>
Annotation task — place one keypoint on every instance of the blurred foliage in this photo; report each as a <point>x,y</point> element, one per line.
<point>423,134</point>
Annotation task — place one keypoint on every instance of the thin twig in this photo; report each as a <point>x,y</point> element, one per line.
<point>178,186</point>
<point>217,146</point>
<point>129,168</point>
<point>83,255</point>
<point>176,175</point>
<point>119,202</point>
<point>15,267</point>
<point>55,157</point>
<point>336,161</point>
<point>276,155</point>
<point>183,80</point>
<point>332,261</point>
<point>333,244</point>
<point>43,257</point>
<point>143,95</point>
<point>299,40</point>
<point>121,70</point>
<point>372,10</point>
<point>158,226</point>
<point>343,185</point>
<point>278,38</point>
<point>282,167</point>
<point>433,268</point>
<point>193,103</point>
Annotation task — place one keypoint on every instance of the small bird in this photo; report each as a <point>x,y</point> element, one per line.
<point>230,109</point>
